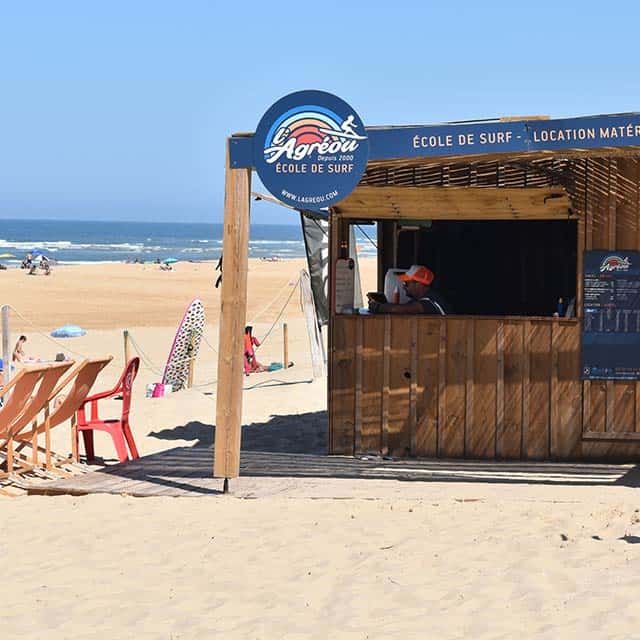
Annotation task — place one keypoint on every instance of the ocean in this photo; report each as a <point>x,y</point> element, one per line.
<point>74,241</point>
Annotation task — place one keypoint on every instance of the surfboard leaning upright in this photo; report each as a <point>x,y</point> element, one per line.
<point>185,346</point>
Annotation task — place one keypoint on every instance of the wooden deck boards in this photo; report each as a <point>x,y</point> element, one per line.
<point>186,472</point>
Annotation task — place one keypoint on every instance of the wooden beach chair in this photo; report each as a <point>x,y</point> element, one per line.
<point>80,380</point>
<point>23,403</point>
<point>118,429</point>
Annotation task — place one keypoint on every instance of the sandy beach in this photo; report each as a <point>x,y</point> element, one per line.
<point>307,558</point>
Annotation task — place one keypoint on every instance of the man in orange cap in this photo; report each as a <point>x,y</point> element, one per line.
<point>417,283</point>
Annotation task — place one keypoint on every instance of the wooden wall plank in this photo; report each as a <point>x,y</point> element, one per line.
<point>343,385</point>
<point>399,387</point>
<point>597,406</point>
<point>372,384</point>
<point>386,367</point>
<point>500,390</point>
<point>513,376</point>
<point>568,420</point>
<point>554,398</point>
<point>526,386</point>
<point>468,388</point>
<point>452,428</point>
<point>413,387</point>
<point>358,400</point>
<point>537,440</point>
<point>442,385</point>
<point>623,407</point>
<point>481,428</point>
<point>427,386</point>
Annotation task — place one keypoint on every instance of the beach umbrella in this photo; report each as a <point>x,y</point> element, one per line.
<point>170,260</point>
<point>6,255</point>
<point>36,252</point>
<point>68,331</point>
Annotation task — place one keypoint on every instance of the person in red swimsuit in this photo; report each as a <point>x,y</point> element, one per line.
<point>251,364</point>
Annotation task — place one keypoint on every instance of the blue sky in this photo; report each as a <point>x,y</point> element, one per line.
<point>119,110</point>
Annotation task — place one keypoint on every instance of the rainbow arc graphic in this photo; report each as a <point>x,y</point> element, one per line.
<point>307,124</point>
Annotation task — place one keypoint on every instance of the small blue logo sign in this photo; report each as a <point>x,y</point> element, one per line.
<point>615,263</point>
<point>310,149</point>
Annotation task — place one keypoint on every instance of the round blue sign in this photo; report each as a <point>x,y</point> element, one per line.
<point>310,149</point>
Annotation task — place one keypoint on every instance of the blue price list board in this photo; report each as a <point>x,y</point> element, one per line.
<point>611,315</point>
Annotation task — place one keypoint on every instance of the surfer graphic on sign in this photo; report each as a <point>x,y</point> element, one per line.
<point>348,130</point>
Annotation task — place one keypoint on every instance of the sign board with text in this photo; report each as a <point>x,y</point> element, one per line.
<point>477,138</point>
<point>611,315</point>
<point>310,149</point>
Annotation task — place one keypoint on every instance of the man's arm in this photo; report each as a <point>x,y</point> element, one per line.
<point>388,307</point>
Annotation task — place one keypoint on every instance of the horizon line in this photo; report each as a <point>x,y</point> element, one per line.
<point>137,221</point>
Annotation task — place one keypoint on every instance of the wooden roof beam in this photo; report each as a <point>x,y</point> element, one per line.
<point>455,203</point>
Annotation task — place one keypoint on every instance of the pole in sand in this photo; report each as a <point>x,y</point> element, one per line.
<point>6,353</point>
<point>285,337</point>
<point>127,347</point>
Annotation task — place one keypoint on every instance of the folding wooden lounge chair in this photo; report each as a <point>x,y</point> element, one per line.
<point>23,403</point>
<point>118,429</point>
<point>81,380</point>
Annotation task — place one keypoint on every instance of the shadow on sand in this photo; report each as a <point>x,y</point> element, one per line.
<point>294,446</point>
<point>302,433</point>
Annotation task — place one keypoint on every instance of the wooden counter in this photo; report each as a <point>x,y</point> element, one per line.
<point>473,387</point>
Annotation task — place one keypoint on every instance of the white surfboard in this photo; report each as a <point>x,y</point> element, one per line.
<point>185,346</point>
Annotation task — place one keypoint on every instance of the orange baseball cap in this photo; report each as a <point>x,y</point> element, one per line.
<point>418,273</point>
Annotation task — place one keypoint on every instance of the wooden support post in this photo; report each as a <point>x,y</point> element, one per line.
<point>285,345</point>
<point>127,347</point>
<point>6,349</point>
<point>233,312</point>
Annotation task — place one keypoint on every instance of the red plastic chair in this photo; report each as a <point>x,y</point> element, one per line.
<point>118,429</point>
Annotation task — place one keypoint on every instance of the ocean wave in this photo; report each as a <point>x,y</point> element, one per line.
<point>298,242</point>
<point>68,245</point>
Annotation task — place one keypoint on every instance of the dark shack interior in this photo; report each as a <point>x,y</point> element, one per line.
<point>492,267</point>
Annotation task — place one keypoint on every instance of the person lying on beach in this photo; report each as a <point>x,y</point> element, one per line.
<point>166,267</point>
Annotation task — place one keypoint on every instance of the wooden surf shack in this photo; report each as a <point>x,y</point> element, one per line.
<point>503,212</point>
